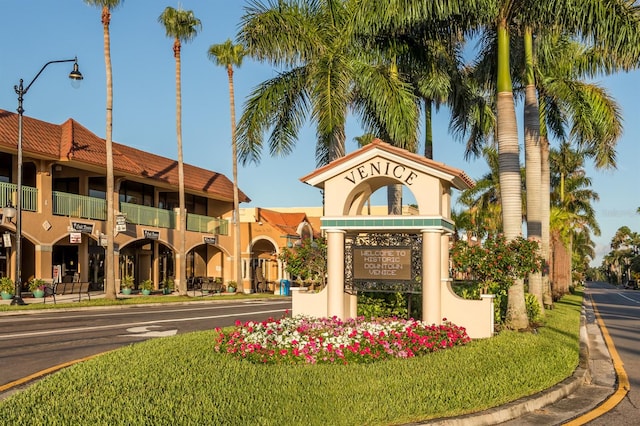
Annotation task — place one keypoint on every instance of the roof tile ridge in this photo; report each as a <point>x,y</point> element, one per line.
<point>65,147</point>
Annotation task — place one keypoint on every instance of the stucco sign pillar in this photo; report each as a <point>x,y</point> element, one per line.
<point>335,269</point>
<point>431,284</point>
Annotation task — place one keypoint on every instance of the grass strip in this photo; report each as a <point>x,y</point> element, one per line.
<point>181,380</point>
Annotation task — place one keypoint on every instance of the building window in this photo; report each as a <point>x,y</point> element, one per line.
<point>196,204</point>
<point>6,164</point>
<point>98,187</point>
<point>68,185</point>
<point>136,193</point>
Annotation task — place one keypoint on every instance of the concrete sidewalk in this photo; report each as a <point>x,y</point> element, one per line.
<point>65,298</point>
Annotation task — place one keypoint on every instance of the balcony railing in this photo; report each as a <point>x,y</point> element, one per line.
<point>81,206</point>
<point>149,216</point>
<point>8,196</point>
<point>211,225</point>
<point>73,205</point>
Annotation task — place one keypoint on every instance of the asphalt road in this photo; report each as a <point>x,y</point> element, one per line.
<point>620,312</point>
<point>38,340</point>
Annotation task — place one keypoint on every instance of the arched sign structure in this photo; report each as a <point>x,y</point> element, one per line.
<point>348,183</point>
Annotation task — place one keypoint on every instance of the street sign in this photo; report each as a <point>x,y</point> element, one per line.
<point>121,223</point>
<point>152,235</point>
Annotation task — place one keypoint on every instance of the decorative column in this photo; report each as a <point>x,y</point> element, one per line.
<point>44,183</point>
<point>83,259</point>
<point>445,276</point>
<point>335,271</point>
<point>431,270</point>
<point>43,261</point>
<point>155,265</point>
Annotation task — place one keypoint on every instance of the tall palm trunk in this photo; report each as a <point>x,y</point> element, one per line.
<point>545,204</point>
<point>428,129</point>
<point>533,169</point>
<point>509,166</point>
<point>182,255</point>
<point>109,270</point>
<point>394,199</point>
<point>236,197</point>
<point>561,266</point>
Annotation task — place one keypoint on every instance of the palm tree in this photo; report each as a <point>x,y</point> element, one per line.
<point>592,115</point>
<point>483,200</point>
<point>568,105</point>
<point>502,17</point>
<point>109,270</point>
<point>572,197</point>
<point>229,55</point>
<point>583,253</point>
<point>328,72</point>
<point>625,245</point>
<point>182,26</point>
<point>533,165</point>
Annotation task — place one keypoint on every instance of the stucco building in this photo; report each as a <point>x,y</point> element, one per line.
<point>64,207</point>
<point>64,213</point>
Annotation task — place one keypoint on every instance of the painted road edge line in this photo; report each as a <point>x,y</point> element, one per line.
<point>623,385</point>
<point>46,371</point>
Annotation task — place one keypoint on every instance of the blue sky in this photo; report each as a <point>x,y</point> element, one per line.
<point>37,31</point>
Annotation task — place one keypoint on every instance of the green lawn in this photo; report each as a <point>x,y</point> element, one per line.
<point>181,381</point>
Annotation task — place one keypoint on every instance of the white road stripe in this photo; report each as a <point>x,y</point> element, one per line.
<point>6,336</point>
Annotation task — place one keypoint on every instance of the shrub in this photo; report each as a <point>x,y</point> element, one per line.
<point>497,260</point>
<point>307,261</point>
<point>380,305</point>
<point>36,284</point>
<point>533,308</point>
<point>127,281</point>
<point>6,285</point>
<point>146,285</point>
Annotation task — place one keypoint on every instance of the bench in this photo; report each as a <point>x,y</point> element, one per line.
<point>61,289</point>
<point>208,285</point>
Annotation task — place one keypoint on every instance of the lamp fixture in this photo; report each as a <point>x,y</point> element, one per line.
<point>9,212</point>
<point>75,75</point>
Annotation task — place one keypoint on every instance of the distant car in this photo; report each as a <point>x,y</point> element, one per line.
<point>632,285</point>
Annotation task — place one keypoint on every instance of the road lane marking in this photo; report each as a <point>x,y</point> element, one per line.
<point>121,310</point>
<point>7,336</point>
<point>41,373</point>
<point>623,380</point>
<point>146,332</point>
<point>628,298</point>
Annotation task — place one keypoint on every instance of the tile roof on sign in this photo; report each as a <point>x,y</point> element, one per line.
<point>71,142</point>
<point>384,146</point>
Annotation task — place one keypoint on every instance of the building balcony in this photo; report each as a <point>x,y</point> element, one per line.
<point>149,216</point>
<point>206,224</point>
<point>8,196</point>
<point>82,206</point>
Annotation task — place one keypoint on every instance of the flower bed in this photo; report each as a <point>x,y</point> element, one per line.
<point>302,339</point>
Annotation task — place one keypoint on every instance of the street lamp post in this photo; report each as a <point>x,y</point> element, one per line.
<point>74,75</point>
